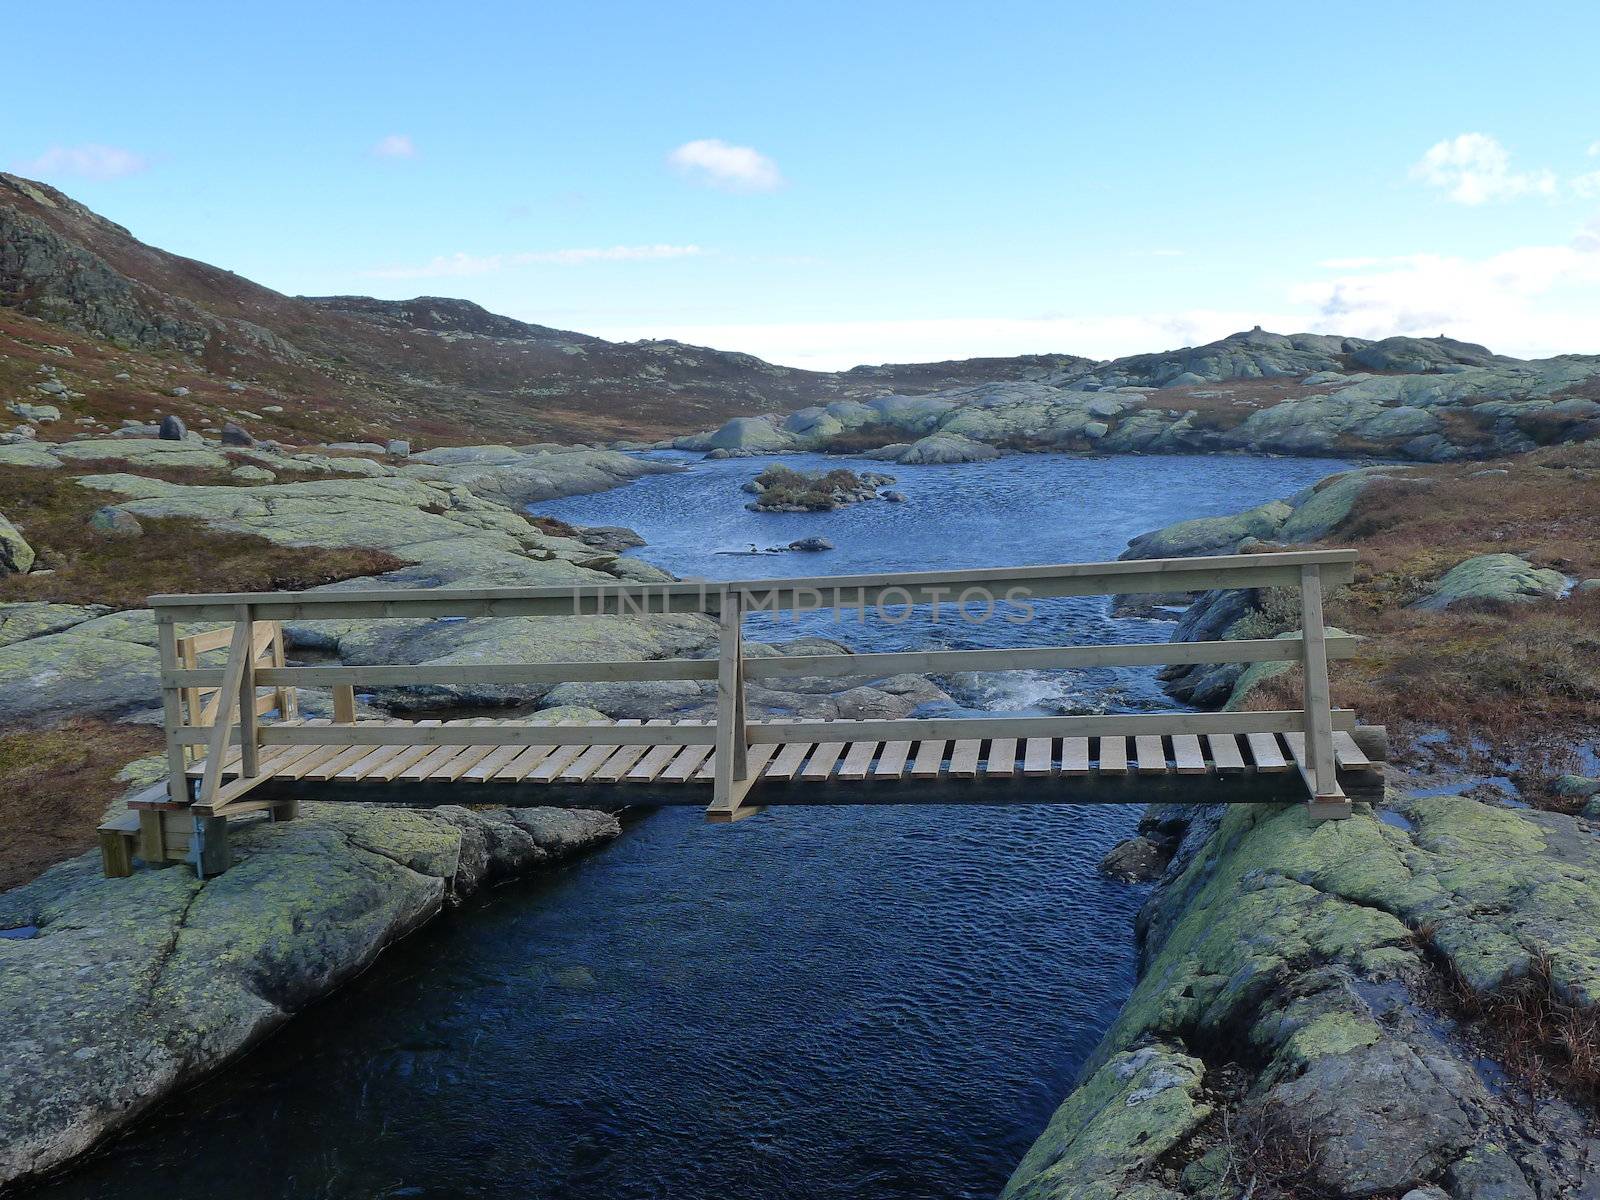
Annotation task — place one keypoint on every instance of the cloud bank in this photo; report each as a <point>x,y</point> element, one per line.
<point>91,161</point>
<point>459,265</point>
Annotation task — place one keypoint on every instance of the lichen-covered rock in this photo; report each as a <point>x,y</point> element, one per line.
<point>1100,1143</point>
<point>16,556</point>
<point>948,448</point>
<point>19,622</point>
<point>132,988</point>
<point>1502,578</point>
<point>1211,535</point>
<point>1299,942</point>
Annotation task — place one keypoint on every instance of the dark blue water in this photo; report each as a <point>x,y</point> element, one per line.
<point>829,1003</point>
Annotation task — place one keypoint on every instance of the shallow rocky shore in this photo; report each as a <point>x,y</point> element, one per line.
<point>124,990</point>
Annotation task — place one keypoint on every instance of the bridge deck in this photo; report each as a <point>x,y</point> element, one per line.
<point>389,771</point>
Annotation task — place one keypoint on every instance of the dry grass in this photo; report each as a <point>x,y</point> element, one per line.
<point>77,565</point>
<point>1520,681</point>
<point>54,786</point>
<point>1538,1037</point>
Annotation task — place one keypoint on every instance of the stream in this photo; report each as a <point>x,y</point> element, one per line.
<point>872,1003</point>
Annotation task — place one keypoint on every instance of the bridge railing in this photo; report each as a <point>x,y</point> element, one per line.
<point>1004,594</point>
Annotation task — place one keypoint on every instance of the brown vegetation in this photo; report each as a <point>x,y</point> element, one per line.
<point>1536,1035</point>
<point>54,786</point>
<point>79,565</point>
<point>1520,682</point>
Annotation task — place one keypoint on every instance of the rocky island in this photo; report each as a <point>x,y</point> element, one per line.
<point>780,489</point>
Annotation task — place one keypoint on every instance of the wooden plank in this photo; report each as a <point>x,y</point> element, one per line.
<point>1113,758</point>
<point>964,758</point>
<point>316,758</point>
<point>1043,658</point>
<point>621,760</point>
<point>227,795</point>
<point>930,756</point>
<point>1002,760</point>
<point>684,766</point>
<point>758,760</point>
<point>1038,755</point>
<point>429,763</point>
<point>555,762</point>
<point>391,767</point>
<point>787,761</point>
<point>1165,576</point>
<point>327,770</point>
<point>458,766</point>
<point>1349,756</point>
<point>1075,756</point>
<point>1150,754</point>
<point>1265,752</point>
<point>1104,725</point>
<point>1225,752</point>
<point>654,762</point>
<point>374,758</point>
<point>857,761</point>
<point>590,761</point>
<point>1186,754</point>
<point>892,760</point>
<point>822,760</point>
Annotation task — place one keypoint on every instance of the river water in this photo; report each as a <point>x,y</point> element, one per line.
<point>883,1002</point>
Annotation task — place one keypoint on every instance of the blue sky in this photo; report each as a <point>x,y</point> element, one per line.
<point>829,183</point>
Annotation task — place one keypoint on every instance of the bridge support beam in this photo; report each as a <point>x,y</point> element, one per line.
<point>732,781</point>
<point>1328,801</point>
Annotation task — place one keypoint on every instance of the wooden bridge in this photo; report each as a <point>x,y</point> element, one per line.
<point>236,744</point>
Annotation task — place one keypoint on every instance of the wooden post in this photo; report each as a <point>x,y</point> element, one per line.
<point>285,696</point>
<point>208,847</point>
<point>239,653</point>
<point>249,735</point>
<point>344,704</point>
<point>732,781</point>
<point>172,713</point>
<point>1327,801</point>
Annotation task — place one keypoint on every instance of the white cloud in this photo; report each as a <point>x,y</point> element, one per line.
<point>1475,168</point>
<point>835,345</point>
<point>1587,186</point>
<point>460,265</point>
<point>90,161</point>
<point>395,145</point>
<point>733,168</point>
<point>1528,301</point>
<point>1594,149</point>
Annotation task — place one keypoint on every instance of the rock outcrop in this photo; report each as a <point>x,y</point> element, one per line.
<point>1494,578</point>
<point>1287,998</point>
<point>125,990</point>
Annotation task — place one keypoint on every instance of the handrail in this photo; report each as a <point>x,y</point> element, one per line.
<point>1121,577</point>
<point>730,601</point>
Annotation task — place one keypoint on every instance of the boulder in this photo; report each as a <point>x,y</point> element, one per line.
<point>35,412</point>
<point>1211,535</point>
<point>234,434</point>
<point>1502,578</point>
<point>1137,860</point>
<point>397,448</point>
<point>114,522</point>
<point>250,474</point>
<point>941,448</point>
<point>16,556</point>
<point>811,544</point>
<point>748,433</point>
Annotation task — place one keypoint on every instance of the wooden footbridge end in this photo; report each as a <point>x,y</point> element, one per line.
<point>236,744</point>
